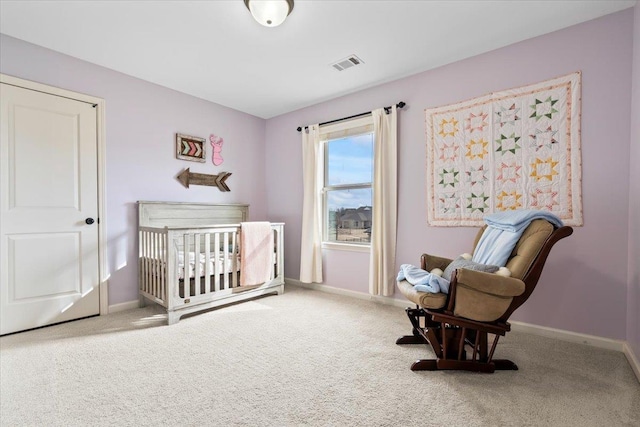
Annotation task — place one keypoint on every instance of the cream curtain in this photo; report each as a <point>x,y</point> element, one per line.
<point>313,170</point>
<point>382,272</point>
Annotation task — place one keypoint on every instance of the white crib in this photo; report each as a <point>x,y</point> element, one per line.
<point>197,244</point>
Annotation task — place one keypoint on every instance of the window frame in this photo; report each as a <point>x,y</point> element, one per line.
<point>344,129</point>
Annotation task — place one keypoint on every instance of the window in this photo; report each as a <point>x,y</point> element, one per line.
<point>348,171</point>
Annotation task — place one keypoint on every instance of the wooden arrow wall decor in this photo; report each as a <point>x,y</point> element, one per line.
<point>188,178</point>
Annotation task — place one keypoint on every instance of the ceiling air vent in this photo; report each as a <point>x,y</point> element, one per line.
<point>348,62</point>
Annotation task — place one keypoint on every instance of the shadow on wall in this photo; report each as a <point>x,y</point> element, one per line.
<point>116,254</point>
<point>122,254</point>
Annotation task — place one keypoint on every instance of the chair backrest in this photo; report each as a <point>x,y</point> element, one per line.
<point>529,256</point>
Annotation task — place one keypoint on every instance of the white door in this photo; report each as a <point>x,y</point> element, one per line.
<point>48,209</point>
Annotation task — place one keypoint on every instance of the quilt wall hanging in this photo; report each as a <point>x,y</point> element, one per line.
<point>514,149</point>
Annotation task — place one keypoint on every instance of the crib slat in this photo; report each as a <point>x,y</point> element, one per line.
<point>173,268</point>
<point>216,264</point>
<point>207,263</point>
<point>142,261</point>
<point>153,242</point>
<point>278,261</point>
<point>225,257</point>
<point>158,292</point>
<point>279,270</point>
<point>147,269</point>
<point>163,268</point>
<point>154,264</point>
<point>196,260</point>
<point>234,259</point>
<point>272,264</point>
<point>158,265</point>
<point>149,263</point>
<point>186,272</point>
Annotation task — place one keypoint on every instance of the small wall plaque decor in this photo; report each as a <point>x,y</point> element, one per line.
<point>216,145</point>
<point>190,148</point>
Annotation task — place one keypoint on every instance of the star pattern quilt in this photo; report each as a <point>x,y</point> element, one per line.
<point>514,149</point>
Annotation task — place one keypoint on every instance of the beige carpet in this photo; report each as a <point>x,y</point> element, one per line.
<point>302,358</point>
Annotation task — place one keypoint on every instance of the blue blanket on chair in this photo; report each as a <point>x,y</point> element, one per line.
<point>423,281</point>
<point>503,232</point>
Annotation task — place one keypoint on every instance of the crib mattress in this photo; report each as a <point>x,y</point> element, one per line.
<point>216,263</point>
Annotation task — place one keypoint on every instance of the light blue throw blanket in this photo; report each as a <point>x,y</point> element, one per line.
<point>503,232</point>
<point>423,281</point>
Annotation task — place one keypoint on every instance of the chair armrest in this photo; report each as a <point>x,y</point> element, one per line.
<point>489,283</point>
<point>480,296</point>
<point>429,262</point>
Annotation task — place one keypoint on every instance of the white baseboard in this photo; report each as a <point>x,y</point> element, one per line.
<point>575,337</point>
<point>568,336</point>
<point>124,306</point>
<point>633,361</point>
<point>353,294</point>
<point>544,331</point>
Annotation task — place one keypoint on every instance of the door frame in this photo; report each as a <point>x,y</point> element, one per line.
<point>99,104</point>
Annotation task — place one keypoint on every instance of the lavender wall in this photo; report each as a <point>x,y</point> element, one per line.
<point>141,121</point>
<point>586,274</point>
<point>633,296</point>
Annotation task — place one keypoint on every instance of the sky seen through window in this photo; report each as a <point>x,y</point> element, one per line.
<point>350,161</point>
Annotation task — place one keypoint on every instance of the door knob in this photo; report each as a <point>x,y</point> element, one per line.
<point>89,221</point>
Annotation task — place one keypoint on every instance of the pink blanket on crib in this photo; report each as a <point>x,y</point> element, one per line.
<point>256,249</point>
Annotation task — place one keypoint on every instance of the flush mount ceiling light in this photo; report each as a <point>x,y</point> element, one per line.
<point>269,13</point>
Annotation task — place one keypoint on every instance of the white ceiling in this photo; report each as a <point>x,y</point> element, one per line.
<point>216,51</point>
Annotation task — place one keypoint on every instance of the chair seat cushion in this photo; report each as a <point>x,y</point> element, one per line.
<point>423,299</point>
<point>461,262</point>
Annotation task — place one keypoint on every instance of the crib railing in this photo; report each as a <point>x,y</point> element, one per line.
<point>214,251</point>
<point>153,257</point>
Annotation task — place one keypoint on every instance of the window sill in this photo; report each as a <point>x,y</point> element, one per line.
<point>346,247</point>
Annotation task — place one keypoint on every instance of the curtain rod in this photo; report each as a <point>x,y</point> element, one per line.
<point>386,109</point>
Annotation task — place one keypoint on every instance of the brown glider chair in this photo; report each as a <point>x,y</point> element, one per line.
<point>457,324</point>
